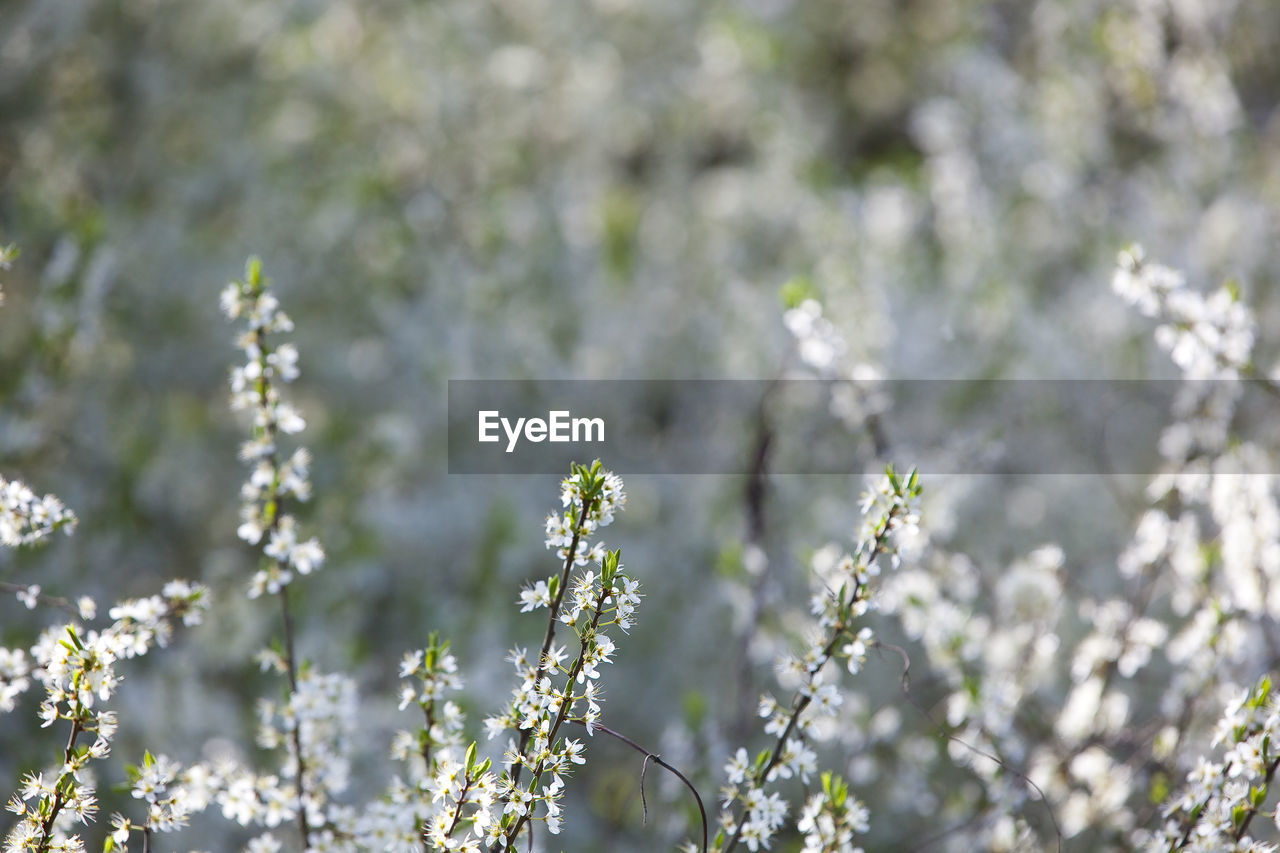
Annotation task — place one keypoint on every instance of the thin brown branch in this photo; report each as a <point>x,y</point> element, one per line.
<point>291,663</point>
<point>60,798</point>
<point>649,755</point>
<point>50,600</point>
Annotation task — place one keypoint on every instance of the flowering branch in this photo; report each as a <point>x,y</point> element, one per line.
<point>77,669</point>
<point>271,481</point>
<point>843,599</point>
<point>572,518</point>
<point>538,709</point>
<point>593,648</point>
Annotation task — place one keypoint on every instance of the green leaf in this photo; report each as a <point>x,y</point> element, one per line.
<point>1159,789</point>
<point>839,791</point>
<point>797,289</point>
<point>694,707</point>
<point>610,568</point>
<point>253,272</point>
<point>729,561</point>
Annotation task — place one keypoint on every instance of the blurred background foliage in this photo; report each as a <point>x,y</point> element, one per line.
<point>619,188</point>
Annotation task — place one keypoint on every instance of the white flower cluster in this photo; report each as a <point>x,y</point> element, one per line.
<point>1221,799</point>
<point>26,518</point>
<point>448,787</point>
<point>1215,530</point>
<point>824,352</point>
<point>77,668</point>
<point>818,342</point>
<point>15,669</point>
<point>252,799</point>
<point>429,674</point>
<point>460,784</point>
<point>322,714</point>
<point>172,795</point>
<point>322,710</point>
<point>254,388</point>
<point>436,671</point>
<point>988,666</point>
<point>396,821</point>
<point>392,824</point>
<point>1209,338</point>
<point>571,530</point>
<point>831,818</point>
<point>751,816</point>
<point>1210,582</point>
<point>1196,589</point>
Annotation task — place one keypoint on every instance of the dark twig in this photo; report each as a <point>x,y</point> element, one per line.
<point>60,797</point>
<point>644,805</point>
<point>50,600</point>
<point>657,759</point>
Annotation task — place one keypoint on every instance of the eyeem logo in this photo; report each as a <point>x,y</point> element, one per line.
<point>559,427</point>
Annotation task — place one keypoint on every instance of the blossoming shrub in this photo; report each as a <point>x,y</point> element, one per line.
<point>1041,719</point>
